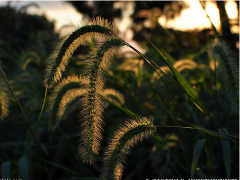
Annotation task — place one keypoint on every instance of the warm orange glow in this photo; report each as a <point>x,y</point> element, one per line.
<point>213,12</point>
<point>231,8</point>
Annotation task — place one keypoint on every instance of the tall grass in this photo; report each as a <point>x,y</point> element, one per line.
<point>89,95</point>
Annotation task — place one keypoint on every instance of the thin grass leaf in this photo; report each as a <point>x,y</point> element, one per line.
<point>193,94</point>
<point>226,154</point>
<point>23,168</point>
<point>131,114</point>
<point>209,152</point>
<point>42,111</point>
<point>212,133</point>
<point>25,117</point>
<point>196,154</point>
<point>5,169</point>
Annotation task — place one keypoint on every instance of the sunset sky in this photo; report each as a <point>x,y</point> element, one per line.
<point>191,18</point>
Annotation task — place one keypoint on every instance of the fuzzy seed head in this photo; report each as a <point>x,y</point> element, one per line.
<point>91,133</point>
<point>57,101</point>
<point>60,57</point>
<point>123,140</point>
<point>4,98</point>
<point>113,96</point>
<point>229,72</point>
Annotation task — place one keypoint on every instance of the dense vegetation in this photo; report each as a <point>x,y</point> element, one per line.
<point>180,147</point>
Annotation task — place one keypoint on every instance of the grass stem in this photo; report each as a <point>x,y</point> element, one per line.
<point>49,177</point>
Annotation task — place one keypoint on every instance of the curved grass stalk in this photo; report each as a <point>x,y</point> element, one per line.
<point>59,59</point>
<point>57,98</point>
<point>124,138</point>
<point>93,106</point>
<point>229,73</point>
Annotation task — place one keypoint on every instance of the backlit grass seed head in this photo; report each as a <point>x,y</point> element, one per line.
<point>71,100</point>
<point>58,61</point>
<point>91,133</point>
<point>4,99</point>
<point>229,72</point>
<point>3,102</point>
<point>113,96</point>
<point>183,64</point>
<point>56,100</point>
<point>155,74</point>
<point>119,147</point>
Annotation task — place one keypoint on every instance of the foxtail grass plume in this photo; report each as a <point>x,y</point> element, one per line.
<point>119,147</point>
<point>113,96</point>
<point>4,100</point>
<point>57,101</point>
<point>91,133</point>
<point>229,72</point>
<point>155,74</point>
<point>183,64</point>
<point>60,57</point>
<point>72,100</point>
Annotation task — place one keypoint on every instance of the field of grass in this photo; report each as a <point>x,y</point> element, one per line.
<point>91,106</point>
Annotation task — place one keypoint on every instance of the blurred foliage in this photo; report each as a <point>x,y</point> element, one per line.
<point>27,40</point>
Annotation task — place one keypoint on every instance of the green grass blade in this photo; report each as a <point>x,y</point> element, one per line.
<point>209,152</point>
<point>196,154</point>
<point>226,154</point>
<point>193,94</point>
<point>131,114</point>
<point>212,133</point>
<point>42,110</point>
<point>25,117</point>
<point>5,169</point>
<point>23,168</point>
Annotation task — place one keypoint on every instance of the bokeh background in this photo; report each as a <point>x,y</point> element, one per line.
<point>181,30</point>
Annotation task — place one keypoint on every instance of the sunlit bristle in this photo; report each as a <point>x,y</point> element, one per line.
<point>3,102</point>
<point>123,140</point>
<point>229,72</point>
<point>58,98</point>
<point>59,59</point>
<point>183,64</point>
<point>71,98</point>
<point>113,96</point>
<point>91,133</point>
<point>4,99</point>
